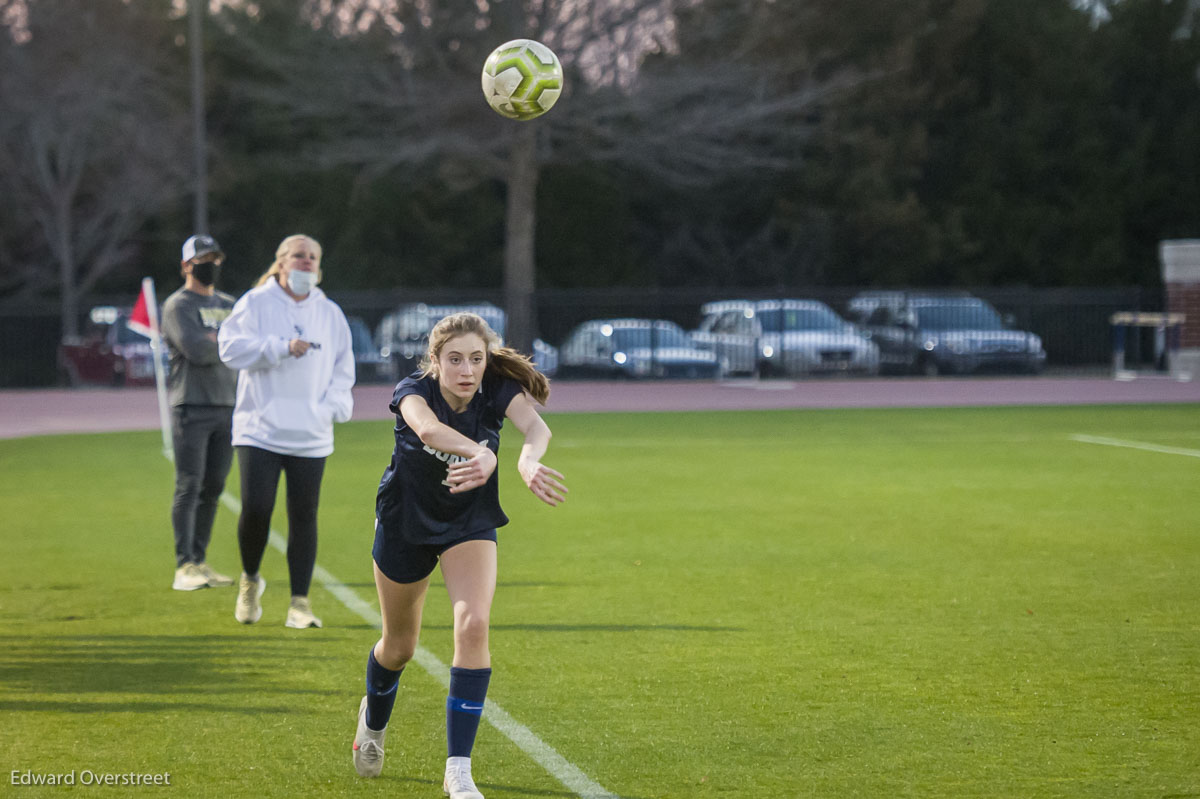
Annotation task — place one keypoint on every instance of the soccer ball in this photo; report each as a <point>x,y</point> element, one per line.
<point>522,79</point>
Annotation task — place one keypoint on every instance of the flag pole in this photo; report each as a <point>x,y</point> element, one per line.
<point>160,376</point>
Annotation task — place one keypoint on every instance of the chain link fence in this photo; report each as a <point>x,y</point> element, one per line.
<point>1073,323</point>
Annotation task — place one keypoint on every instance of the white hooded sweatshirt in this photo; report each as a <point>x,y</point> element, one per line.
<point>288,405</point>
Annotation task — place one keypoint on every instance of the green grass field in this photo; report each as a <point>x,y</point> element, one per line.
<point>855,603</point>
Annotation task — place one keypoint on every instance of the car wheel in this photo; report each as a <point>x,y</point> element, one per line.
<point>929,367</point>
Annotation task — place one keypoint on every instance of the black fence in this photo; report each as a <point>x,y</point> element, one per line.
<point>29,355</point>
<point>1074,324</point>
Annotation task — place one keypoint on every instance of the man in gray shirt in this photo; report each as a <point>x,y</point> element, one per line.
<point>201,392</point>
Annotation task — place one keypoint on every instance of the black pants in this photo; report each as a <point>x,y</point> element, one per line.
<point>200,435</point>
<point>260,481</point>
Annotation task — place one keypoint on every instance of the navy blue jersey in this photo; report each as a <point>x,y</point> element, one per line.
<point>414,499</point>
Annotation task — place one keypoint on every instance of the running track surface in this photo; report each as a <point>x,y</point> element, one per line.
<point>56,411</point>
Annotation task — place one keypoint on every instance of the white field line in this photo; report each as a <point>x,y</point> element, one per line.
<point>1142,445</point>
<point>538,750</point>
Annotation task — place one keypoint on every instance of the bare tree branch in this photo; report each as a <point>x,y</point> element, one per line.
<point>94,143</point>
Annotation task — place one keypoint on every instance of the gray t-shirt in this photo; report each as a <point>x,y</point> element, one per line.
<point>190,322</point>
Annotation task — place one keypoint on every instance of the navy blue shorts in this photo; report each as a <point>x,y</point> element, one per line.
<point>405,562</point>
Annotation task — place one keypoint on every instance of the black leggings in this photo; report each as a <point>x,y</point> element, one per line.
<point>260,481</point>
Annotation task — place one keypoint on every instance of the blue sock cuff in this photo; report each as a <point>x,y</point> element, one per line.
<point>468,689</point>
<point>470,706</point>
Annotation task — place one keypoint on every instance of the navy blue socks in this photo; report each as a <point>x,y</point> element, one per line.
<point>464,705</point>
<point>464,708</point>
<point>381,692</point>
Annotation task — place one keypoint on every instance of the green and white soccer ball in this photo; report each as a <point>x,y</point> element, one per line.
<point>522,79</point>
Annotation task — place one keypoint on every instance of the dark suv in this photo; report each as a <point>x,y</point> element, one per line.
<point>936,334</point>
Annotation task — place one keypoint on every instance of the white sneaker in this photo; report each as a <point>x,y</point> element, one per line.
<point>248,609</point>
<point>214,578</point>
<point>458,783</point>
<point>368,745</point>
<point>300,615</point>
<point>188,577</point>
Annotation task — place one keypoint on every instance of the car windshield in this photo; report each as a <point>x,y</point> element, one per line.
<point>958,317</point>
<point>408,325</point>
<point>779,319</point>
<point>632,338</point>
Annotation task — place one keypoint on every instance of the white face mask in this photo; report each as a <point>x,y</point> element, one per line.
<point>301,282</point>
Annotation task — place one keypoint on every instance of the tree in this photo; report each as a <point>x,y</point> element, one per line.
<point>1149,51</point>
<point>91,145</point>
<point>395,94</point>
<point>1035,141</point>
<point>970,161</point>
<point>727,124</point>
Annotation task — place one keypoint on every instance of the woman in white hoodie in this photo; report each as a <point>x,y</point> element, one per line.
<point>291,345</point>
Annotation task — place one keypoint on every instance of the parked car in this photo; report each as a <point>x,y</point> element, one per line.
<point>936,334</point>
<point>730,329</point>
<point>402,336</point>
<point>545,357</point>
<point>784,337</point>
<point>886,318</point>
<point>109,353</point>
<point>634,348</point>
<point>369,365</point>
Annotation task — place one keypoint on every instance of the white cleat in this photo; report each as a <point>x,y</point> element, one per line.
<point>248,608</point>
<point>368,745</point>
<point>189,577</point>
<point>458,783</point>
<point>300,615</point>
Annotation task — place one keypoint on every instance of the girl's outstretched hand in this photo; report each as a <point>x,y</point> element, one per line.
<point>545,483</point>
<point>472,473</point>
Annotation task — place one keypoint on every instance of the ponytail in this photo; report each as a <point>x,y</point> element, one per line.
<point>507,362</point>
<point>272,273</point>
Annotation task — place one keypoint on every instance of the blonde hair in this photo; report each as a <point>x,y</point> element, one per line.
<point>281,252</point>
<point>502,361</point>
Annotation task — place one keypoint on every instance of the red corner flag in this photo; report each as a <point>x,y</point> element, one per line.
<point>144,318</point>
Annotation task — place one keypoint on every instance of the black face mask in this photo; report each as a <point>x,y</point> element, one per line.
<point>206,273</point>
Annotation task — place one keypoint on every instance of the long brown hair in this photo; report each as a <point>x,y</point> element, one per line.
<point>503,361</point>
<point>281,252</point>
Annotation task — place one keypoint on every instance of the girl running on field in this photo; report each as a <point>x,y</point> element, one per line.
<point>438,502</point>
